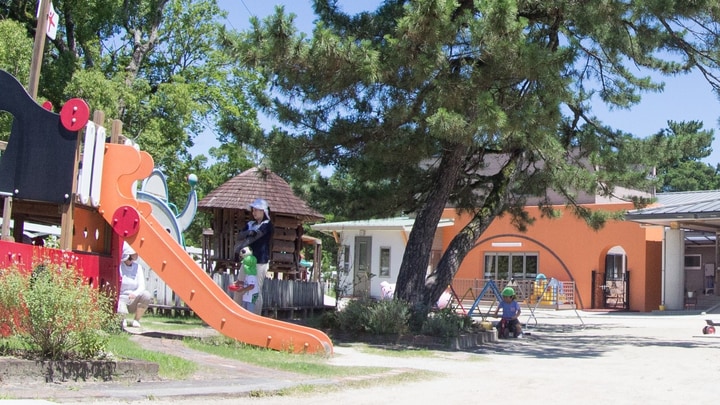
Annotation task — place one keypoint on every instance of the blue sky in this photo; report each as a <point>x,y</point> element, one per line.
<point>685,98</point>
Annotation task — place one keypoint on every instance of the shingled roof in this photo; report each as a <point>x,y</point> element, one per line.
<point>238,192</point>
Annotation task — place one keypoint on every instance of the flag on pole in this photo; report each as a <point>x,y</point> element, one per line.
<point>52,20</point>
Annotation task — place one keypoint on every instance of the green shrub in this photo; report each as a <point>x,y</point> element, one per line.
<point>12,308</point>
<point>54,312</point>
<point>353,318</point>
<point>445,323</point>
<point>397,317</point>
<point>376,317</point>
<point>418,315</point>
<point>388,317</point>
<point>328,320</point>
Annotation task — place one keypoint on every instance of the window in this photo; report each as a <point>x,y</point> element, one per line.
<point>506,265</point>
<point>693,261</point>
<point>384,262</point>
<point>345,259</point>
<point>614,267</point>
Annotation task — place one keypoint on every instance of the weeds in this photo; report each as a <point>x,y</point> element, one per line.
<point>51,313</point>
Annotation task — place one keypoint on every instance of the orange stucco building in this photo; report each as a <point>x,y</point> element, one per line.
<point>567,249</point>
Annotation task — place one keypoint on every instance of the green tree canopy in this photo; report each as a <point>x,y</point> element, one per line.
<point>477,104</point>
<point>155,65</point>
<point>680,149</point>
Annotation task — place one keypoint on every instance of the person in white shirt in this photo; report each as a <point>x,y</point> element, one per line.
<point>134,298</point>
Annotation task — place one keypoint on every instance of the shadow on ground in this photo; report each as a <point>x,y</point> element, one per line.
<point>577,341</point>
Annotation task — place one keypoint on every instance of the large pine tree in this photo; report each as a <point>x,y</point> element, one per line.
<point>477,104</point>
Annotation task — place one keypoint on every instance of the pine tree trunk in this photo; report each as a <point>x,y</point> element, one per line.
<point>411,277</point>
<point>459,247</point>
<point>429,292</point>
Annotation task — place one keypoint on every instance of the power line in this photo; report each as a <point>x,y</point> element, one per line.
<point>228,22</point>
<point>246,8</point>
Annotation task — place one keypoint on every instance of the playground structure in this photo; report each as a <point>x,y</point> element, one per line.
<point>41,171</point>
<point>480,297</point>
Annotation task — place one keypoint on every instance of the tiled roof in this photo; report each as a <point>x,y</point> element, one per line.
<point>241,190</point>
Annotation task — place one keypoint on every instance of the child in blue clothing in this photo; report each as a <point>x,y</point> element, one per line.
<point>510,311</point>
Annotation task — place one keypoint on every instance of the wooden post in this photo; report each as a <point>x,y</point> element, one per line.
<point>7,214</point>
<point>317,262</point>
<point>38,48</point>
<point>115,131</point>
<point>18,228</point>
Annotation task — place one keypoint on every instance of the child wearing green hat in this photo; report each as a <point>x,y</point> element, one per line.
<point>510,311</point>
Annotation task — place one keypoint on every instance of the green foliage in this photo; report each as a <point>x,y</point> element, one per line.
<point>419,105</point>
<point>159,67</point>
<point>354,317</point>
<point>328,320</point>
<point>390,317</point>
<point>15,50</point>
<point>418,315</point>
<point>15,55</point>
<point>13,284</point>
<point>12,345</point>
<point>54,312</point>
<point>678,150</point>
<point>446,323</point>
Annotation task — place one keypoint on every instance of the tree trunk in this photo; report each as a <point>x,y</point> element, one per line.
<point>411,277</point>
<point>438,281</point>
<point>494,204</point>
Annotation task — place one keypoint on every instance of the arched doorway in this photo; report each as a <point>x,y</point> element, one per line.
<point>614,282</point>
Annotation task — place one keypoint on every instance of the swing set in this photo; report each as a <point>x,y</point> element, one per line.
<point>541,293</point>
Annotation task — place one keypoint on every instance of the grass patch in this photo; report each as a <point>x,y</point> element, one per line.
<point>308,364</point>
<point>313,365</point>
<point>170,367</point>
<point>369,382</point>
<point>164,323</point>
<point>316,365</point>
<point>402,353</point>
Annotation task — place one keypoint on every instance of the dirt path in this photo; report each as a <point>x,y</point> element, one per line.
<point>622,359</point>
<point>618,358</point>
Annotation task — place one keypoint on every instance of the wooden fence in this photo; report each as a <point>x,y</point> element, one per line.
<point>278,295</point>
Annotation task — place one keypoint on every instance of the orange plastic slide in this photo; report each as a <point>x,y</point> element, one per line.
<point>133,220</point>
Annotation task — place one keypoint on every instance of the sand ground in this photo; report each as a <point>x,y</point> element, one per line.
<point>622,358</point>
